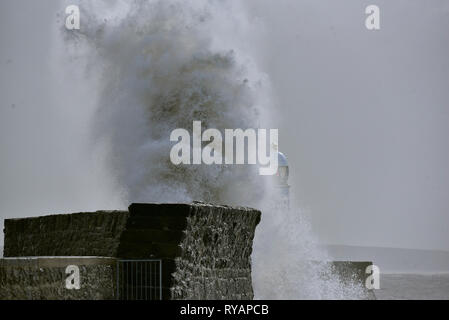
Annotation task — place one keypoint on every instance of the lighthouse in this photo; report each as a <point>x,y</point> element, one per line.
<point>282,180</point>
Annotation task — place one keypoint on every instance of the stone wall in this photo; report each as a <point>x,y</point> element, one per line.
<point>78,234</point>
<point>45,278</point>
<point>212,257</point>
<point>206,249</point>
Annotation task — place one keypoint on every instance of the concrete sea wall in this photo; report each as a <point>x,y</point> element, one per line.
<point>205,249</point>
<point>44,278</point>
<point>78,234</point>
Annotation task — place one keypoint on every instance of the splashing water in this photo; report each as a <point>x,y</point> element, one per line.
<point>163,64</point>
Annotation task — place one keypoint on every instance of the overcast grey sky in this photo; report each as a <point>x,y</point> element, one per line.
<point>366,122</point>
<point>364,118</point>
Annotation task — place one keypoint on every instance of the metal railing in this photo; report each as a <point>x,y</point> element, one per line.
<point>139,279</point>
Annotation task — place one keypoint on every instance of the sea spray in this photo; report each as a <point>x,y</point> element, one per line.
<point>160,65</point>
<point>161,69</point>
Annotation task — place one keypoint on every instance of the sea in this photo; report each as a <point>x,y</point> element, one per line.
<point>405,274</point>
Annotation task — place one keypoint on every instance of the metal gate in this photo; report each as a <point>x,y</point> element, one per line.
<point>139,279</point>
